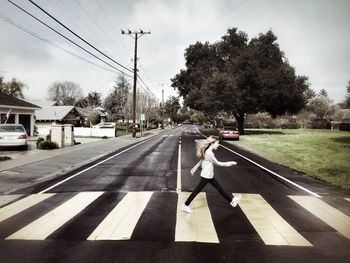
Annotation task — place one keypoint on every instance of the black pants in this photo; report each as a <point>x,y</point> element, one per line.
<point>203,182</point>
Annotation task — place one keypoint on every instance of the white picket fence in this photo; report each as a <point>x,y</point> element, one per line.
<point>82,132</point>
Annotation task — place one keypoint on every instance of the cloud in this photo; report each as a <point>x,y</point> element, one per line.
<point>314,35</point>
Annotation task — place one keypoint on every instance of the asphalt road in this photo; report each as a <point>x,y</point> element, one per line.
<point>125,209</point>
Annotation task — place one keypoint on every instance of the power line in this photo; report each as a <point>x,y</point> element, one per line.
<point>79,23</point>
<point>138,76</point>
<point>118,37</point>
<point>75,34</point>
<point>67,38</point>
<point>144,71</point>
<point>144,89</point>
<point>94,21</point>
<point>10,21</point>
<point>75,20</point>
<point>106,17</point>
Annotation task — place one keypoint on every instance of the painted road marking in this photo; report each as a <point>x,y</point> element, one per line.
<point>121,221</point>
<point>348,199</point>
<point>331,216</point>
<point>47,224</point>
<point>197,226</point>
<point>74,175</point>
<point>271,227</point>
<point>21,205</point>
<point>178,181</point>
<point>268,170</point>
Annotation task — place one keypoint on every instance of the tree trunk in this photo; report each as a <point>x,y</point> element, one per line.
<point>240,121</point>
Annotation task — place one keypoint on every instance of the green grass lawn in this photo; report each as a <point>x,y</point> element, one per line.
<point>323,154</point>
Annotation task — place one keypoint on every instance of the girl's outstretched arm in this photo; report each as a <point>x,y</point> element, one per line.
<point>215,161</point>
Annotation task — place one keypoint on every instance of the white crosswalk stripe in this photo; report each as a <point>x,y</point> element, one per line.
<point>121,221</point>
<point>47,224</point>
<point>198,226</point>
<point>21,205</point>
<point>333,217</point>
<point>271,227</point>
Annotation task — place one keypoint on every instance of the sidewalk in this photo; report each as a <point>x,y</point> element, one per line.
<point>47,164</point>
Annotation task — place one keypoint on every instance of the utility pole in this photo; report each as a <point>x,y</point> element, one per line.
<point>135,35</point>
<point>162,107</point>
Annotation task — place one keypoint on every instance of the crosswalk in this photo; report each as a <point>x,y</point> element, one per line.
<point>124,216</point>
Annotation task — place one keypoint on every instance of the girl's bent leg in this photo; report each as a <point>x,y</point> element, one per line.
<point>216,184</point>
<point>197,190</point>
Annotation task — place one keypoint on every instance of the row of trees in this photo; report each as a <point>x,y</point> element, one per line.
<point>118,103</point>
<point>320,112</point>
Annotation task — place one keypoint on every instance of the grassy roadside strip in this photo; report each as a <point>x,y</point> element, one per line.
<point>322,154</point>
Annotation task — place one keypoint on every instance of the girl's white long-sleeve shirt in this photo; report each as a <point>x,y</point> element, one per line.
<point>208,164</point>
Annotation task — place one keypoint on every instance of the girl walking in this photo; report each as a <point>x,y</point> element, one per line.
<point>207,160</point>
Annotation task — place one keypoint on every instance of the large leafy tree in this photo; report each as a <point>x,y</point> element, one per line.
<point>320,106</point>
<point>240,77</point>
<point>118,98</point>
<point>65,92</point>
<point>13,88</point>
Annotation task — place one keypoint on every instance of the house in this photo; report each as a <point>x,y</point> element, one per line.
<point>21,112</point>
<point>52,115</point>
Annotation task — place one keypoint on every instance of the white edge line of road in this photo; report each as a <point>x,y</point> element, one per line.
<point>264,168</point>
<point>74,175</point>
<point>178,184</point>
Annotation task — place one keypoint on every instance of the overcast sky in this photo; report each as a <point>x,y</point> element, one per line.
<point>314,34</point>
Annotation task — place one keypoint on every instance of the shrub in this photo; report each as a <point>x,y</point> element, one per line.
<point>47,145</point>
<point>39,140</point>
<point>5,158</point>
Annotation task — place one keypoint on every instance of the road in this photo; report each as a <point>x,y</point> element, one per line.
<point>126,209</point>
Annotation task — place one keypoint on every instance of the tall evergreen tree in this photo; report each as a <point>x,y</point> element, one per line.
<point>117,99</point>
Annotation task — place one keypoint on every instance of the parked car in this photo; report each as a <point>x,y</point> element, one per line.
<point>104,125</point>
<point>229,132</point>
<point>13,135</point>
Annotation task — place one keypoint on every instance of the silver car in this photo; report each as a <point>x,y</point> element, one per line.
<point>104,125</point>
<point>13,135</point>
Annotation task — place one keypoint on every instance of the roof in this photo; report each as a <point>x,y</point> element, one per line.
<point>88,111</point>
<point>6,100</point>
<point>53,112</point>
